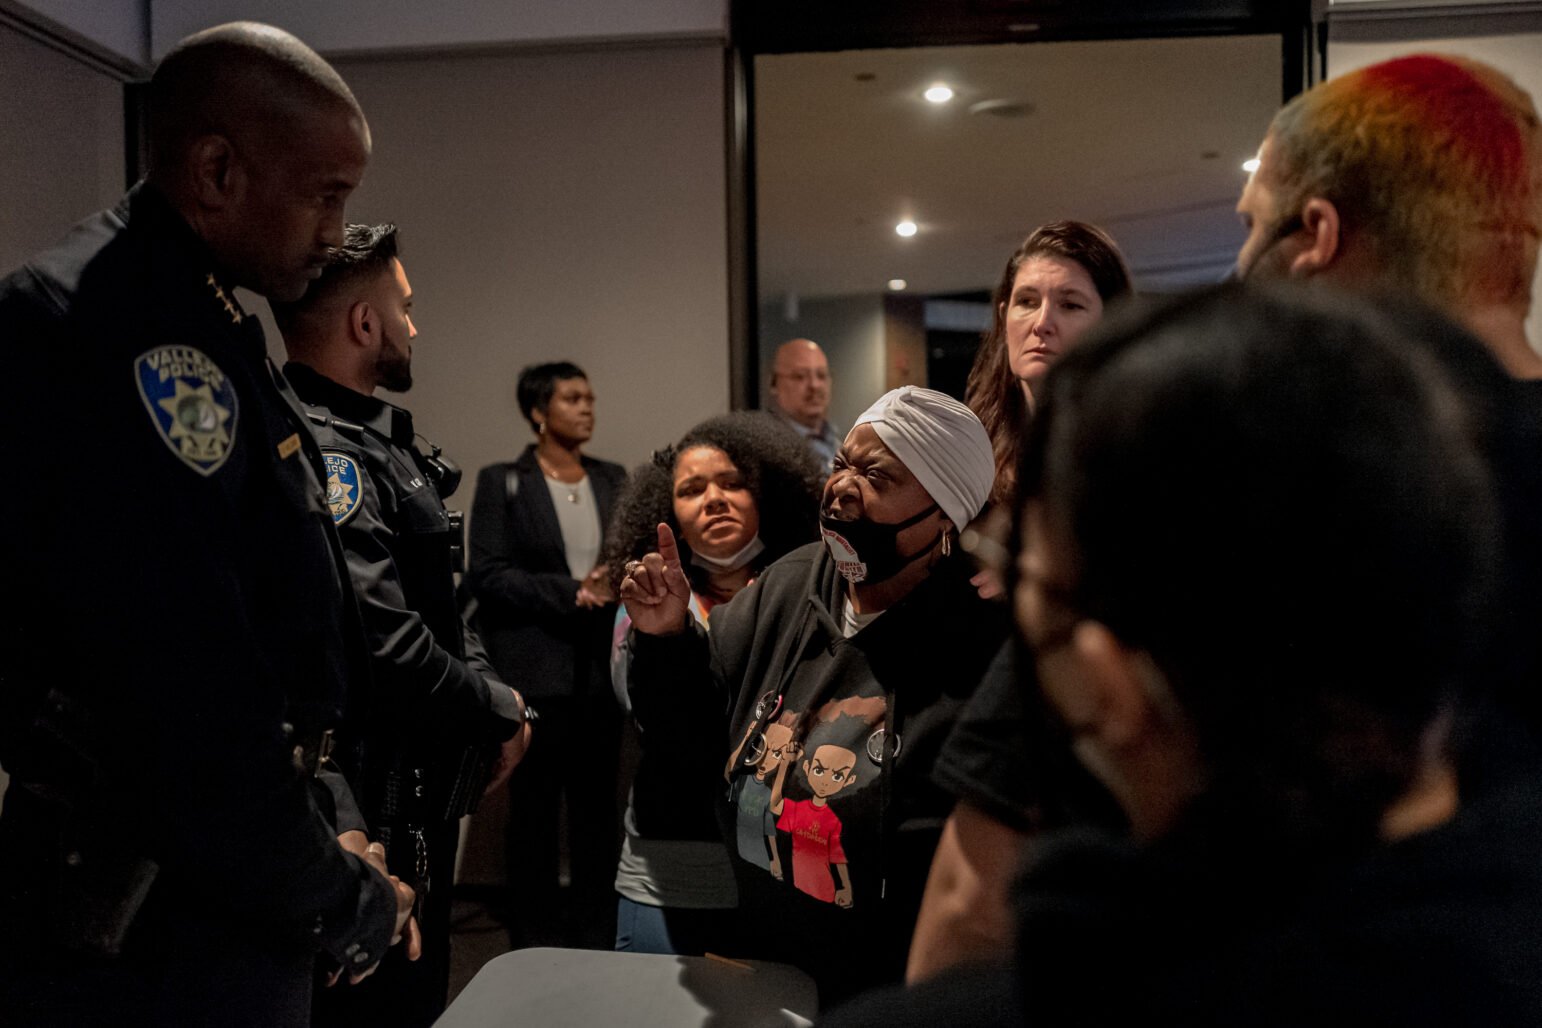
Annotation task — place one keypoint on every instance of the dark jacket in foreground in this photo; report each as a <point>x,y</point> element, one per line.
<point>178,623</point>
<point>1207,928</point>
<point>882,701</point>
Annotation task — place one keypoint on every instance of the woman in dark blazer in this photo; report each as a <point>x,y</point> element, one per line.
<point>545,608</point>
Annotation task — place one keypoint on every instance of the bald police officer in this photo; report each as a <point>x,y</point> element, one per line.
<point>180,643</point>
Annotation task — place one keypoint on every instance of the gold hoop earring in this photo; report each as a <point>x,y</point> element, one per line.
<point>947,544</point>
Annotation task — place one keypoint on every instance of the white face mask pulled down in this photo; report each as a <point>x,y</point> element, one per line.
<point>751,550</point>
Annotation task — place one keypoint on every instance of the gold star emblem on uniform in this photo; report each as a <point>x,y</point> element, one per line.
<point>197,421</point>
<point>339,495</point>
<point>231,307</point>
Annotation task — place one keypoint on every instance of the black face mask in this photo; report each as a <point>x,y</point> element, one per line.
<point>868,552</point>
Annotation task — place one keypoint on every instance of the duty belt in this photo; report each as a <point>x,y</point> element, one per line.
<point>311,752</point>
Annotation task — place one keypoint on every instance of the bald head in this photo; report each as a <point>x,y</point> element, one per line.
<point>257,142</point>
<point>800,382</point>
<point>238,80</point>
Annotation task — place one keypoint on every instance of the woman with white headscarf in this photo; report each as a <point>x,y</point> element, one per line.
<point>828,685</point>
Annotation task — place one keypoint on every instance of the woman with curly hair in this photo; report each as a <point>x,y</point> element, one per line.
<point>1053,289</point>
<point>738,491</point>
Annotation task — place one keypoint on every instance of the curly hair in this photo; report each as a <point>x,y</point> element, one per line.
<point>779,471</point>
<point>993,391</point>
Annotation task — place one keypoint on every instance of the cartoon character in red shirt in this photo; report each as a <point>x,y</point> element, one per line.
<point>814,827</point>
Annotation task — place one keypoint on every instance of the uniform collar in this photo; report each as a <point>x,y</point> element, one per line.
<point>146,207</point>
<point>382,418</point>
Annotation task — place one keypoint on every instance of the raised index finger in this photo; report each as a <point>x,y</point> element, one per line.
<point>667,548</point>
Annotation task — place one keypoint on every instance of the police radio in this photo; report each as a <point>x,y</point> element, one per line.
<point>445,474</point>
<point>441,470</point>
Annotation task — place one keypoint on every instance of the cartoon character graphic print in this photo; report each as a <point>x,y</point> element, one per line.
<point>771,824</point>
<point>814,827</point>
<point>755,825</point>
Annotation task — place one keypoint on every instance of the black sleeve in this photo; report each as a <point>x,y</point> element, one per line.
<point>671,685</point>
<point>503,702</point>
<point>985,759</point>
<point>158,581</point>
<point>335,800</point>
<point>458,696</point>
<point>1007,757</point>
<point>494,573</point>
<point>683,683</point>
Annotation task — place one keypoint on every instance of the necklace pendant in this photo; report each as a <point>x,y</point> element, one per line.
<point>573,496</point>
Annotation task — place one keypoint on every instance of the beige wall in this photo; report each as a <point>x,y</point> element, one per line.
<point>337,26</point>
<point>904,341</point>
<point>121,27</point>
<point>53,178</point>
<point>558,205</point>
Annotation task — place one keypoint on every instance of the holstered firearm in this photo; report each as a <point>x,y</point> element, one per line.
<point>471,775</point>
<point>421,793</point>
<point>74,864</point>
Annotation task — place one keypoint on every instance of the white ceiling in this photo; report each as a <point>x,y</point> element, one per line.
<point>1143,137</point>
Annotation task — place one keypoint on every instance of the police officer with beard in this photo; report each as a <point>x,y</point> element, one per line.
<point>178,643</point>
<point>437,712</point>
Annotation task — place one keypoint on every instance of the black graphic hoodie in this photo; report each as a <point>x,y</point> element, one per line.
<point>820,749</point>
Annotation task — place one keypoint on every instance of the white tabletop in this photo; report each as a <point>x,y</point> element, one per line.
<point>577,988</point>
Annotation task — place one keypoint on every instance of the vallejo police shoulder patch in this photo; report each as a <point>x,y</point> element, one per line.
<point>344,490</point>
<point>192,403</point>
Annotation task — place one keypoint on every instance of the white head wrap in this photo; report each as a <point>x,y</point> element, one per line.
<point>941,442</point>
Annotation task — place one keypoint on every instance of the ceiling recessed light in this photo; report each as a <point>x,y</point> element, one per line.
<point>939,94</point>
<point>897,285</point>
<point>1250,165</point>
<point>906,228</point>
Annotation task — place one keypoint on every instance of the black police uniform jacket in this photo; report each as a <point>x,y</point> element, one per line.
<point>435,708</point>
<point>434,692</point>
<point>178,623</point>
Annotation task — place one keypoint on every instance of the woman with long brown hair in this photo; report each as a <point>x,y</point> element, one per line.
<point>1054,287</point>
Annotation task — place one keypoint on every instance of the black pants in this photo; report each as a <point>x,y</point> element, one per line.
<point>194,970</point>
<point>573,755</point>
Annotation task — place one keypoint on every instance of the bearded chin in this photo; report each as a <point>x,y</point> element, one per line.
<point>394,375</point>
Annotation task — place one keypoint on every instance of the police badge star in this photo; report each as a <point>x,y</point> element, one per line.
<point>343,492</point>
<point>192,404</point>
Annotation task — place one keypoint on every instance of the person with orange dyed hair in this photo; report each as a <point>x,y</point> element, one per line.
<point>1421,174</point>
